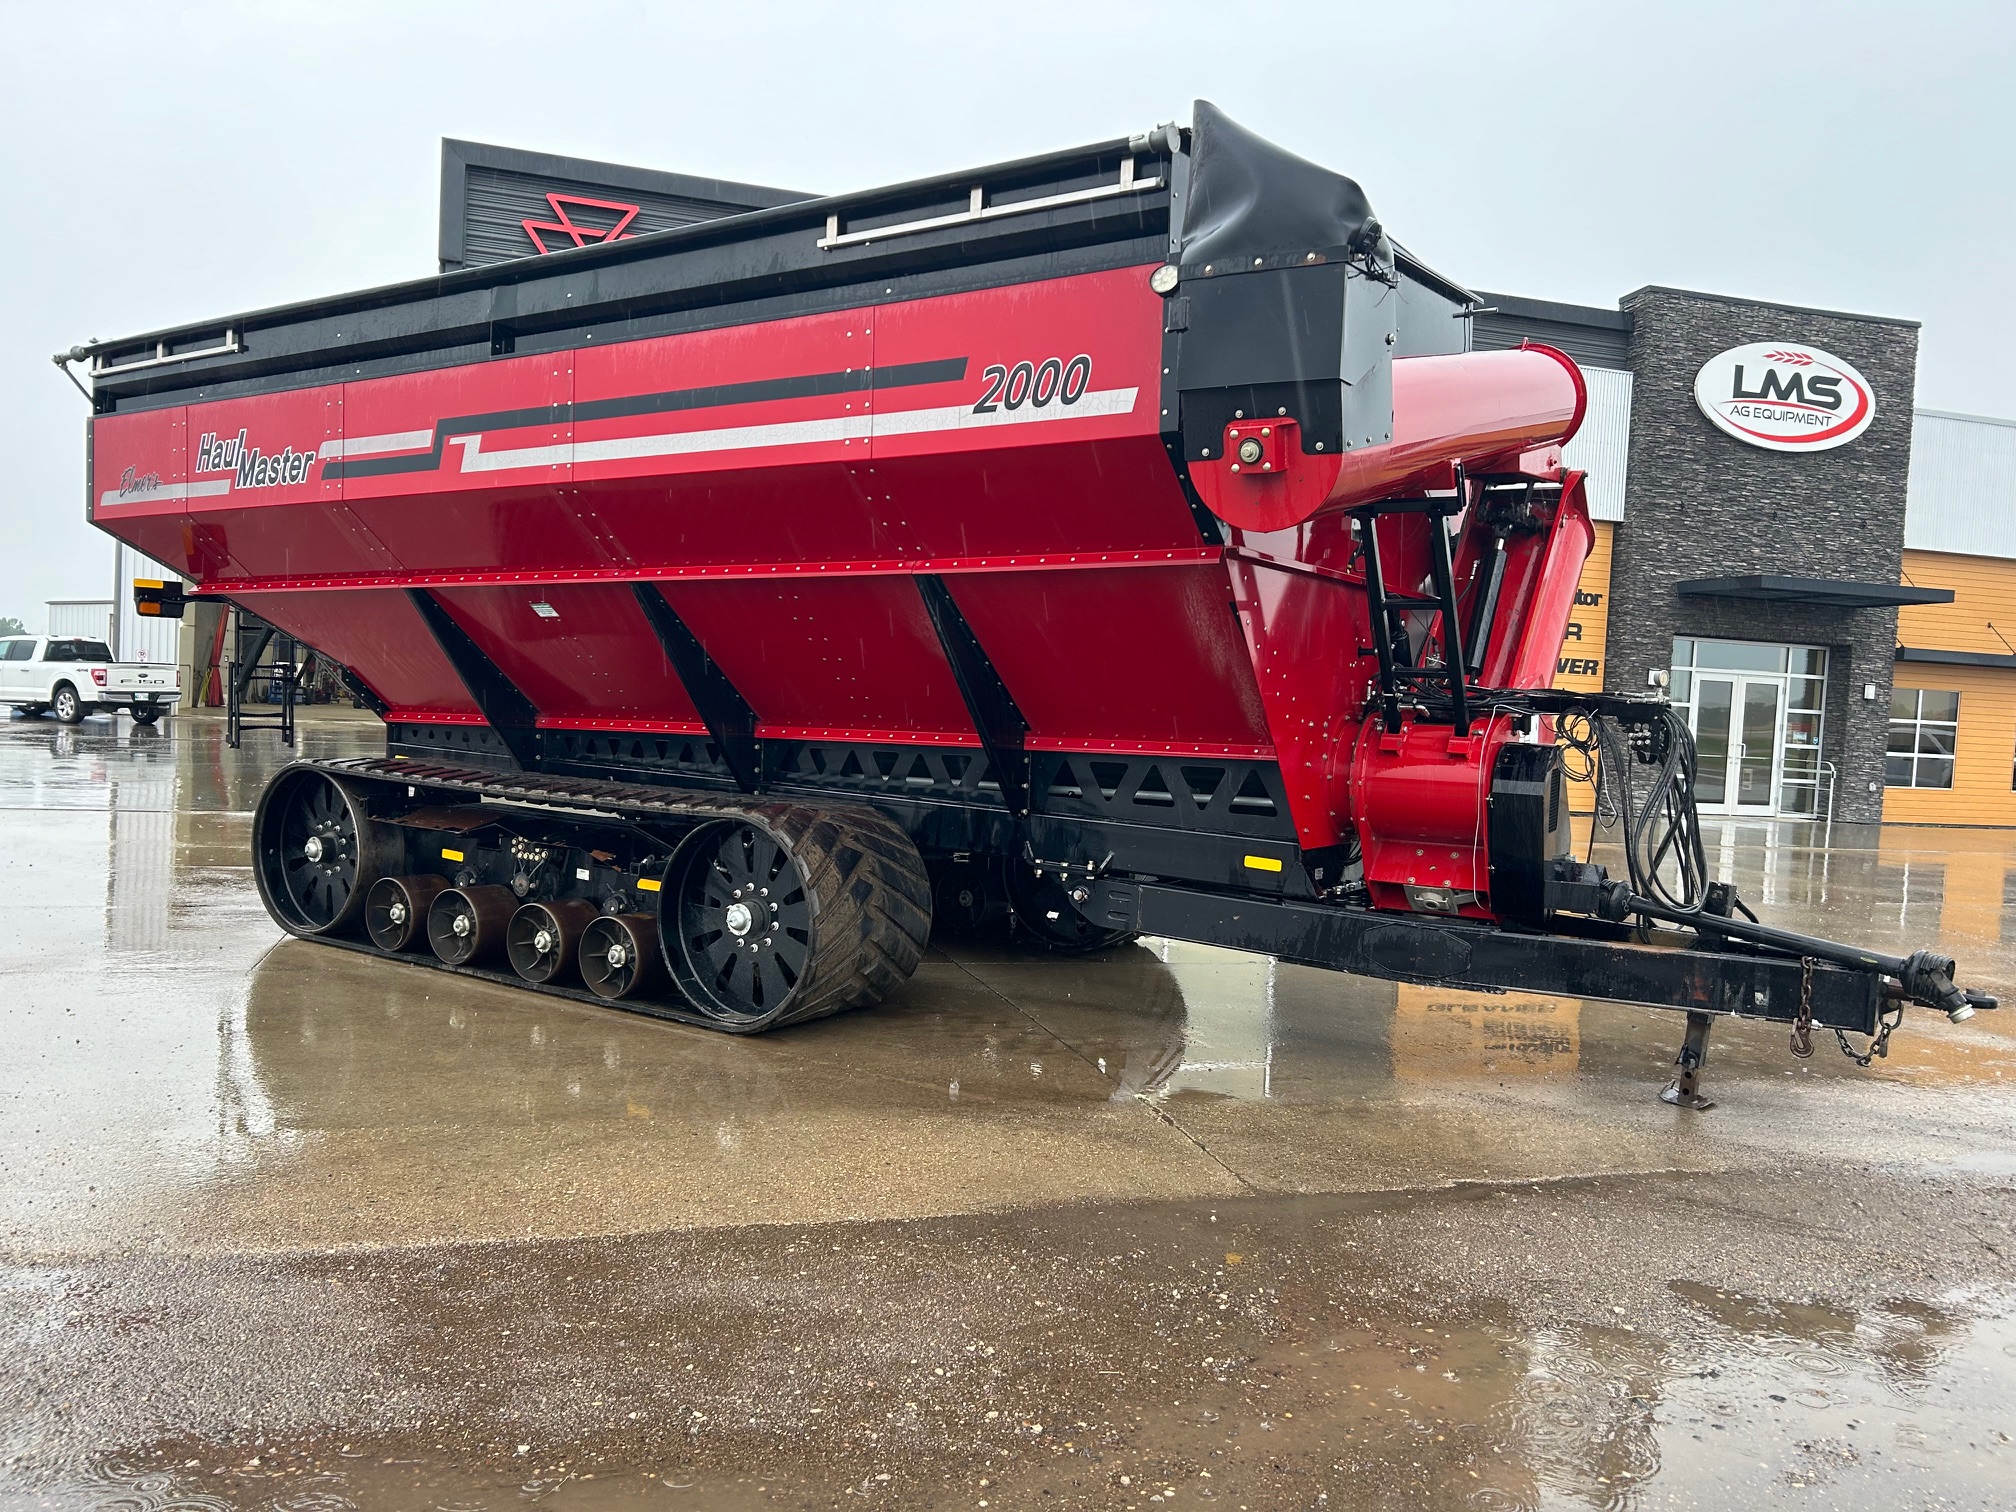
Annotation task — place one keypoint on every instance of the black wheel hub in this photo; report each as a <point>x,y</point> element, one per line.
<point>743,936</point>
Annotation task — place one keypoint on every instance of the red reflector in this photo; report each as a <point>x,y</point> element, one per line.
<point>98,676</point>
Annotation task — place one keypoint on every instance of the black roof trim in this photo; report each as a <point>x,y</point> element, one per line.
<point>615,175</point>
<point>1519,306</point>
<point>1956,658</point>
<point>1767,304</point>
<point>1828,593</point>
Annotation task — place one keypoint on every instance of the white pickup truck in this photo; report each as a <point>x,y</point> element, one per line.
<point>75,677</point>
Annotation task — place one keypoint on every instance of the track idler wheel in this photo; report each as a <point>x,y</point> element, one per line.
<point>1048,917</point>
<point>620,956</point>
<point>395,910</point>
<point>542,939</point>
<point>780,917</point>
<point>465,925</point>
<point>316,852</point>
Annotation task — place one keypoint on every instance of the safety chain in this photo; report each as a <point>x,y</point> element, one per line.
<point>1802,1027</point>
<point>1879,1046</point>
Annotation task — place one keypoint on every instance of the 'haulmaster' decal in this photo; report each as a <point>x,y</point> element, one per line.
<point>252,468</point>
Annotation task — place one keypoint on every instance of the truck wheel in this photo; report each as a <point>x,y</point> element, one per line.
<point>69,707</point>
<point>145,716</point>
<point>316,852</point>
<point>779,917</point>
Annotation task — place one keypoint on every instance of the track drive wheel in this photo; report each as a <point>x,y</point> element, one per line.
<point>542,939</point>
<point>785,915</point>
<point>395,910</point>
<point>620,956</point>
<point>465,925</point>
<point>316,853</point>
<point>1048,919</point>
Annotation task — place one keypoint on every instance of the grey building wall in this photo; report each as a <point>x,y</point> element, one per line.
<point>1702,504</point>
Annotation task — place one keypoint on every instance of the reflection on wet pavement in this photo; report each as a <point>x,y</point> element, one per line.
<point>1371,1234</point>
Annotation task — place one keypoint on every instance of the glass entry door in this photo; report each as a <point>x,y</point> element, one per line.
<point>1737,732</point>
<point>1756,712</point>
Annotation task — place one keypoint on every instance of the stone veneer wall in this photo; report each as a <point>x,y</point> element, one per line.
<point>1702,504</point>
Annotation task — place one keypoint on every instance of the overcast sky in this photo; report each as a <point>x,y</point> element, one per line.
<point>181,161</point>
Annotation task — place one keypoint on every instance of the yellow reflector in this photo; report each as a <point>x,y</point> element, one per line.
<point>1262,863</point>
<point>149,583</point>
<point>648,884</point>
<point>450,855</point>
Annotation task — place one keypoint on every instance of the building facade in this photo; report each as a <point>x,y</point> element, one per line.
<point>1825,616</point>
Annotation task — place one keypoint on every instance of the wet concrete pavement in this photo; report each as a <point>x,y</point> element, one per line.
<point>290,1227</point>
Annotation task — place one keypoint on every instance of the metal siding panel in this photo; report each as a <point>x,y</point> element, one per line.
<point>1592,346</point>
<point>145,639</point>
<point>1962,491</point>
<point>91,618</point>
<point>1602,448</point>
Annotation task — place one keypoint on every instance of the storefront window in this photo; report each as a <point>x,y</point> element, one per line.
<point>1924,729</point>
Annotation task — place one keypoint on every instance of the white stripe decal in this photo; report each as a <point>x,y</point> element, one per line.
<point>371,446</point>
<point>165,492</point>
<point>914,422</point>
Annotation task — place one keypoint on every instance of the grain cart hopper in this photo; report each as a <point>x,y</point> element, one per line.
<point>1120,540</point>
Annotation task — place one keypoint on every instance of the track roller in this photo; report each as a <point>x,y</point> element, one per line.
<point>782,916</point>
<point>542,939</point>
<point>465,925</point>
<point>395,910</point>
<point>619,956</point>
<point>316,852</point>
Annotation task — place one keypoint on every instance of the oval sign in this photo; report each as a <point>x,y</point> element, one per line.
<point>1785,396</point>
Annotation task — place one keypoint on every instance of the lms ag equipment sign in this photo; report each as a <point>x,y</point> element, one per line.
<point>1785,397</point>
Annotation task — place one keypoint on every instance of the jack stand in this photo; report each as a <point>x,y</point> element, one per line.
<point>1685,1090</point>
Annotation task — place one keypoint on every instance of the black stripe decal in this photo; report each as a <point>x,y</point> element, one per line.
<point>713,396</point>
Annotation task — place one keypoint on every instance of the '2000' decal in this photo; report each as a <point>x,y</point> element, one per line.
<point>1035,383</point>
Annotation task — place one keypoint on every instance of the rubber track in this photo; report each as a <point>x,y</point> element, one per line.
<point>871,895</point>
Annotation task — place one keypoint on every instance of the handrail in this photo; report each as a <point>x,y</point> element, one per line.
<point>979,210</point>
<point>231,346</point>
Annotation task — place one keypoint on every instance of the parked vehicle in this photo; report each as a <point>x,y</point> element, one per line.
<point>71,677</point>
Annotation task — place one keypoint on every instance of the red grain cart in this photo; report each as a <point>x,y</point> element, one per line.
<point>1115,541</point>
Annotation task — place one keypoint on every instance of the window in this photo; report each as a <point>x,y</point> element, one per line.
<point>77,651</point>
<point>1924,728</point>
<point>19,650</point>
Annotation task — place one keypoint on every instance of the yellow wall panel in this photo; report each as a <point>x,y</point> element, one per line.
<point>1579,668</point>
<point>1982,755</point>
<point>1984,601</point>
